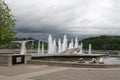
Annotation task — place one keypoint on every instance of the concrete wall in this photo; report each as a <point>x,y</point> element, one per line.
<point>6,59</point>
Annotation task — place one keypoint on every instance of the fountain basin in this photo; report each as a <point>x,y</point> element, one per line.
<point>66,57</point>
<point>73,64</point>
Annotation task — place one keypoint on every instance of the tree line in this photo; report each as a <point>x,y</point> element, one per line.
<point>103,42</point>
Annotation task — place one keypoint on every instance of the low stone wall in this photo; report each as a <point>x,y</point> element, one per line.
<point>9,59</point>
<point>5,59</point>
<point>68,64</point>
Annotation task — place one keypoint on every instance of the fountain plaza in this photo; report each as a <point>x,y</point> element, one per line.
<point>62,61</point>
<point>64,51</point>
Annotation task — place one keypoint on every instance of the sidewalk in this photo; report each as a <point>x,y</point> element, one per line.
<point>44,72</point>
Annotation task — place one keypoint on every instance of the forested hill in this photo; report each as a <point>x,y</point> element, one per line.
<point>102,43</point>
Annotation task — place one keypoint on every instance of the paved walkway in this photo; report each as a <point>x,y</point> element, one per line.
<point>25,72</point>
<point>44,72</point>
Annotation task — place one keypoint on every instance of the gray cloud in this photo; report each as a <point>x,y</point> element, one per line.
<point>75,17</point>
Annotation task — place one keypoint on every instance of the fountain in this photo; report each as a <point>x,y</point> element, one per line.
<point>89,49</point>
<point>81,45</point>
<point>42,47</point>
<point>50,44</point>
<point>59,46</point>
<point>23,47</point>
<point>85,58</point>
<point>71,45</point>
<point>76,43</point>
<point>32,44</point>
<point>39,47</point>
<point>54,47</point>
<point>64,44</point>
<point>66,52</point>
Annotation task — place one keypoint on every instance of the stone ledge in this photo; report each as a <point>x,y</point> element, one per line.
<point>68,64</point>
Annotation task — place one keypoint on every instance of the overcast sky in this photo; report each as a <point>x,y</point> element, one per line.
<point>83,17</point>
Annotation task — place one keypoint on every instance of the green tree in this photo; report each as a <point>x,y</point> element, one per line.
<point>7,24</point>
